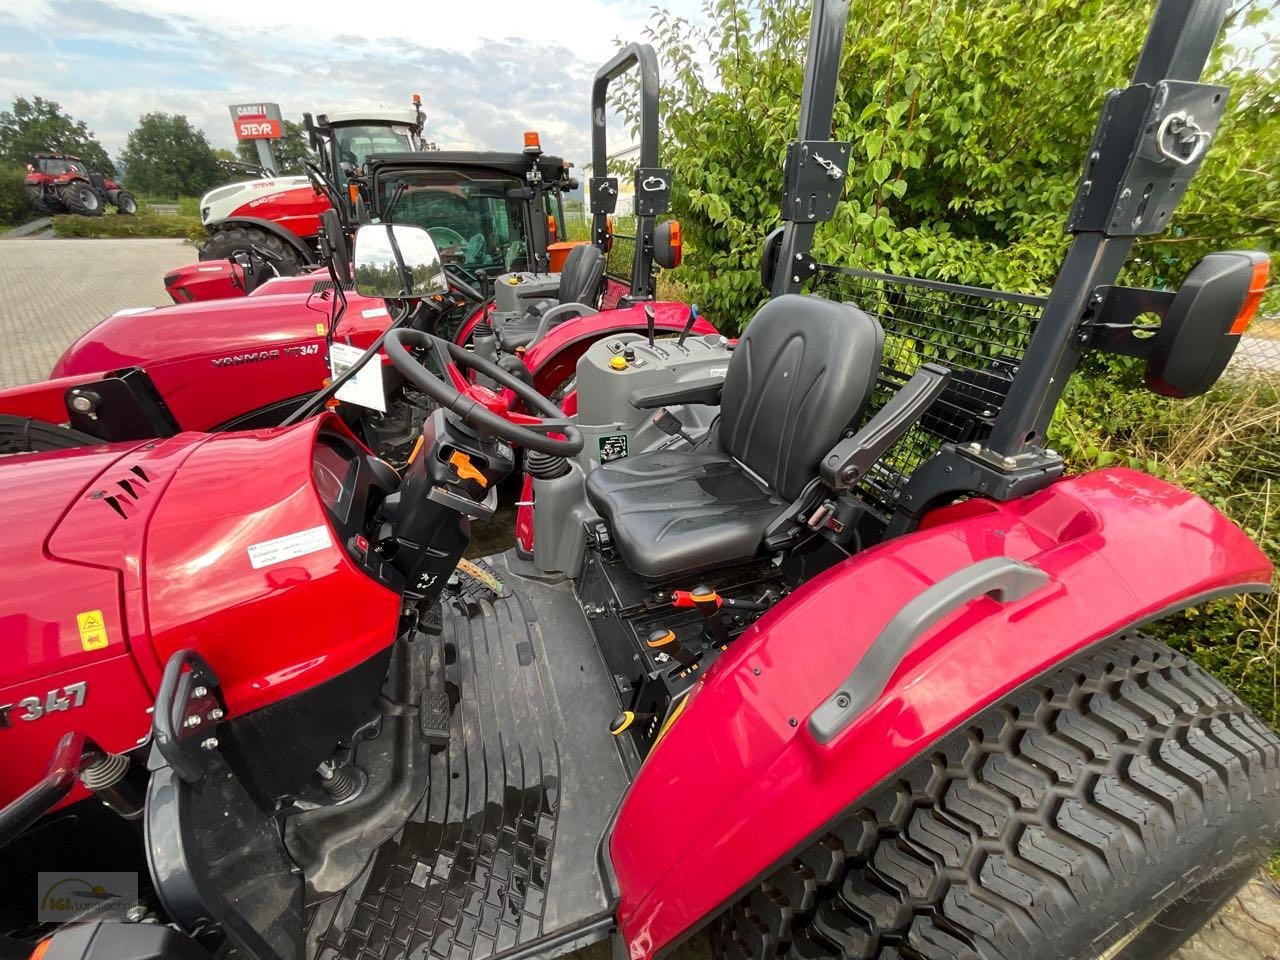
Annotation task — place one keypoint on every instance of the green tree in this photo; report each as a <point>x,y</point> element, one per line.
<point>38,125</point>
<point>168,157</point>
<point>969,122</point>
<point>289,151</point>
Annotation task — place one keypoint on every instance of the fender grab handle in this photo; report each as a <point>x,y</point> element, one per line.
<point>1001,578</point>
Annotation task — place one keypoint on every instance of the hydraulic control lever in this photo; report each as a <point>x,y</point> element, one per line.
<point>665,641</point>
<point>688,324</point>
<point>649,321</point>
<point>625,720</point>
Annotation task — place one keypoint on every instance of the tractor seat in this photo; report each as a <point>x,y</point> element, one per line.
<point>580,280</point>
<point>801,375</point>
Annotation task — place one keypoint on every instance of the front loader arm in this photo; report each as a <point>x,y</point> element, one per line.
<point>741,780</point>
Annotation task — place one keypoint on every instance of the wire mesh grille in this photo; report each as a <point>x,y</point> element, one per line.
<point>620,256</point>
<point>980,335</point>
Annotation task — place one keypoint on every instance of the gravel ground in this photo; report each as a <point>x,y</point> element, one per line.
<point>57,289</point>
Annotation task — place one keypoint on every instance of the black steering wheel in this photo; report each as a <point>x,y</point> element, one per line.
<point>475,404</point>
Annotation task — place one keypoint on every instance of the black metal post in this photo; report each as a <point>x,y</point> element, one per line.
<point>604,189</point>
<point>1178,43</point>
<point>817,104</point>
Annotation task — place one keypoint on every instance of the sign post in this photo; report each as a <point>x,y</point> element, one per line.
<point>260,122</point>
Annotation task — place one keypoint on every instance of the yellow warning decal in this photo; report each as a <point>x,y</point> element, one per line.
<point>320,329</point>
<point>93,629</point>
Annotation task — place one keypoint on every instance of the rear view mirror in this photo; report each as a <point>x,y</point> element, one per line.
<point>397,261</point>
<point>1199,333</point>
<point>668,244</point>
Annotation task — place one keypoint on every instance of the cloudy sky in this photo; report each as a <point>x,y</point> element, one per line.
<point>487,69</point>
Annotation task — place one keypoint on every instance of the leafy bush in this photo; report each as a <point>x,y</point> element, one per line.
<point>14,208</point>
<point>965,154</point>
<point>146,223</point>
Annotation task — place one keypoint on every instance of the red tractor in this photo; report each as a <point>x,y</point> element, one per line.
<point>281,215</point>
<point>60,183</point>
<point>848,668</point>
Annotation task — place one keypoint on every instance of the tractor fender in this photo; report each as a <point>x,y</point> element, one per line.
<point>292,239</point>
<point>740,780</point>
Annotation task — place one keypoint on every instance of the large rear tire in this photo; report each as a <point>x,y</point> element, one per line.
<point>223,242</point>
<point>80,197</point>
<point>1106,809</point>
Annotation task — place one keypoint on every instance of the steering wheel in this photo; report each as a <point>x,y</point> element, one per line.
<point>446,237</point>
<point>479,406</point>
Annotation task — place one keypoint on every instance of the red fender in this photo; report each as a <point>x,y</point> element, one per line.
<point>739,782</point>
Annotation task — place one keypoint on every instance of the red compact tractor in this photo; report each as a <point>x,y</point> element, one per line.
<point>61,183</point>
<point>845,667</point>
<point>281,215</point>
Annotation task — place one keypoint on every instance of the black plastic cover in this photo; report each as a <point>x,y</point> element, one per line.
<point>1194,343</point>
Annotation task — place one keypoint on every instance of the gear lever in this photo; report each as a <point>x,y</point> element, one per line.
<point>688,324</point>
<point>648,315</point>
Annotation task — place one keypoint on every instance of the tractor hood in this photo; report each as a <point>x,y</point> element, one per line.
<point>122,554</point>
<point>218,204</point>
<point>216,360</point>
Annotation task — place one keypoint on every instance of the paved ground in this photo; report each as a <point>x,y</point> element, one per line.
<point>54,290</point>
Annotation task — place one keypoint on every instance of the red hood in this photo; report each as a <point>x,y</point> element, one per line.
<point>218,360</point>
<point>121,554</point>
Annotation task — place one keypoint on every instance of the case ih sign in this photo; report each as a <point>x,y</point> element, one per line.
<point>257,121</point>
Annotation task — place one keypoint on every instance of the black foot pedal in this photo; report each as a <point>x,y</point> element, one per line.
<point>432,620</point>
<point>433,717</point>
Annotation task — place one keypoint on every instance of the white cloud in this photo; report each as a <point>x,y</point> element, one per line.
<point>487,70</point>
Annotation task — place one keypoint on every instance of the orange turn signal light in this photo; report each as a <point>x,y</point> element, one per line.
<point>551,226</point>
<point>1257,286</point>
<point>353,192</point>
<point>677,243</point>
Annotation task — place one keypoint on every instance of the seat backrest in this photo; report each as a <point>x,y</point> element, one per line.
<point>581,275</point>
<point>801,374</point>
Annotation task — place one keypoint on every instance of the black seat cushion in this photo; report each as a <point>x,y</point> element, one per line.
<point>801,374</point>
<point>675,512</point>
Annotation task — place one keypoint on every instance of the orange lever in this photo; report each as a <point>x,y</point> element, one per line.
<point>466,469</point>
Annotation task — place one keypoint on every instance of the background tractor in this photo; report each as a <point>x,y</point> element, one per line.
<point>281,215</point>
<point>61,183</point>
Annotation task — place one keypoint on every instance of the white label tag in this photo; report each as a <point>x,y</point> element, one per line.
<point>130,311</point>
<point>288,547</point>
<point>374,312</point>
<point>365,388</point>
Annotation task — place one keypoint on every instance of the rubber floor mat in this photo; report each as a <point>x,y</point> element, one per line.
<point>502,849</point>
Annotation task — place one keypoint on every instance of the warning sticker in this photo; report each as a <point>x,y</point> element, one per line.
<point>93,629</point>
<point>613,447</point>
<point>280,549</point>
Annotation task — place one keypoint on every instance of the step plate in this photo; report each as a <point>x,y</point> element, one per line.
<point>502,849</point>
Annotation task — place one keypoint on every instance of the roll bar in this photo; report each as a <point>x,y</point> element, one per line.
<point>653,183</point>
<point>1150,140</point>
